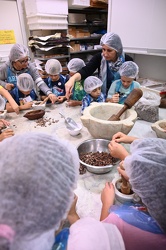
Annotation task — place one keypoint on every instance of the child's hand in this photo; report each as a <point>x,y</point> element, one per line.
<point>122,171</point>
<point>61,99</point>
<point>108,194</point>
<point>4,123</point>
<point>117,150</point>
<point>115,98</point>
<point>72,214</point>
<point>120,137</point>
<point>27,105</point>
<point>6,133</point>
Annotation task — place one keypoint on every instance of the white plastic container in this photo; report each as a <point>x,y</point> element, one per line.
<point>79,3</point>
<point>43,21</point>
<point>56,7</point>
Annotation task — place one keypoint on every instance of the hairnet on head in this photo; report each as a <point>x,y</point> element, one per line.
<point>129,69</point>
<point>91,83</point>
<point>25,82</point>
<point>36,183</point>
<point>75,65</point>
<point>146,168</point>
<point>53,67</point>
<point>113,41</point>
<point>2,103</point>
<point>17,52</point>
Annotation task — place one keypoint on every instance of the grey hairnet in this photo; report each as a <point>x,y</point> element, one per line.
<point>38,173</point>
<point>53,67</point>
<point>91,83</point>
<point>113,41</point>
<point>75,65</point>
<point>25,82</point>
<point>129,69</point>
<point>146,168</point>
<point>2,103</point>
<point>17,52</point>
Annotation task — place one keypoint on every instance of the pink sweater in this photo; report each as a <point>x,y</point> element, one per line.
<point>135,238</point>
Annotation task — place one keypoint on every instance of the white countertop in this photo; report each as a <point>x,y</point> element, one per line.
<point>89,185</point>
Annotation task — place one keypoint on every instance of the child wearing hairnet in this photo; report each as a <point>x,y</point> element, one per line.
<point>24,93</point>
<point>121,88</point>
<point>78,91</point>
<point>92,86</point>
<point>36,193</point>
<point>145,169</point>
<point>55,80</point>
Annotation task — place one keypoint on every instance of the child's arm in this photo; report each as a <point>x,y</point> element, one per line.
<point>27,105</point>
<point>107,199</point>
<point>72,214</point>
<point>10,99</point>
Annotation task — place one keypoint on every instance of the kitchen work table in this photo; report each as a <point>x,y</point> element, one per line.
<point>89,185</point>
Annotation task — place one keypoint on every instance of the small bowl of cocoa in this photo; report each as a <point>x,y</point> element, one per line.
<point>95,156</point>
<point>38,105</point>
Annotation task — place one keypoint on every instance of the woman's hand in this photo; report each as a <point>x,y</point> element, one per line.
<point>121,137</point>
<point>70,84</point>
<point>53,98</point>
<point>6,133</point>
<point>117,150</point>
<point>9,86</point>
<point>27,105</point>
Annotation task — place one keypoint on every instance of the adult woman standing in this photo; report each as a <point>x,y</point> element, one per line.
<point>17,64</point>
<point>107,63</point>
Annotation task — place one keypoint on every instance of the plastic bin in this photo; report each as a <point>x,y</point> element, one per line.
<point>42,21</point>
<point>56,7</point>
<point>79,3</point>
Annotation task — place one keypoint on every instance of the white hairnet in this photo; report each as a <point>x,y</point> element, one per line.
<point>53,67</point>
<point>2,103</point>
<point>146,168</point>
<point>91,83</point>
<point>36,184</point>
<point>25,82</point>
<point>17,52</point>
<point>113,41</point>
<point>129,69</point>
<point>75,65</point>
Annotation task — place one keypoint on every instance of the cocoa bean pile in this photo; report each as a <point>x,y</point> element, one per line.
<point>44,122</point>
<point>97,158</point>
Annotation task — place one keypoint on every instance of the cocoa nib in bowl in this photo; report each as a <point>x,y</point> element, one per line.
<point>94,155</point>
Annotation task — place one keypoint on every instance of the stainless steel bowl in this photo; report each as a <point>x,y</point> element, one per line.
<point>94,145</point>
